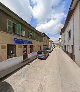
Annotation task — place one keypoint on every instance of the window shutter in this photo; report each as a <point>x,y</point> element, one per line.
<point>19,29</point>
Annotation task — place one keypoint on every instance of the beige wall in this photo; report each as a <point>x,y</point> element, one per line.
<point>50,43</point>
<point>19,50</point>
<point>6,38</point>
<point>37,45</point>
<point>3,52</point>
<point>45,41</point>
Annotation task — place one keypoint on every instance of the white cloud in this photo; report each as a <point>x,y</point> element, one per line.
<point>20,7</point>
<point>48,13</point>
<point>53,26</point>
<point>42,9</point>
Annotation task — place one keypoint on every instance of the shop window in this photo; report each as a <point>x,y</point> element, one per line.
<point>9,26</point>
<point>11,51</point>
<point>31,48</point>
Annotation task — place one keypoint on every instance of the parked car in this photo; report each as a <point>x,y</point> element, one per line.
<point>48,50</point>
<point>51,49</point>
<point>42,54</point>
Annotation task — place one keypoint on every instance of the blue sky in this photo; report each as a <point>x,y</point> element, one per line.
<point>47,16</point>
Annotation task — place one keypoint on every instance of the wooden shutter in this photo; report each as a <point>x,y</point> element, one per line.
<point>19,29</point>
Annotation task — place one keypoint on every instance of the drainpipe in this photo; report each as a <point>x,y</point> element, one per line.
<point>79,26</point>
<point>73,38</point>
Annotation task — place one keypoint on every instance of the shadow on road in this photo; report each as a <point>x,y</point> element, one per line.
<point>6,87</point>
<point>40,88</point>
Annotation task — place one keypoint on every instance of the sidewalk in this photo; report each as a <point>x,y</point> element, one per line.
<point>14,63</point>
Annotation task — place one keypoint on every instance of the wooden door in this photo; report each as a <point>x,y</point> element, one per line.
<point>25,55</point>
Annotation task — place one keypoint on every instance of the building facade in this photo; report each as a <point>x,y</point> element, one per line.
<point>17,37</point>
<point>45,41</point>
<point>71,32</point>
<point>51,44</point>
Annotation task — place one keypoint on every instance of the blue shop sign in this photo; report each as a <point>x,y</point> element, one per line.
<point>20,41</point>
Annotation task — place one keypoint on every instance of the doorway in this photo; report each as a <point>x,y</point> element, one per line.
<point>25,55</point>
<point>65,48</point>
<point>73,56</point>
<point>40,48</point>
<point>11,50</point>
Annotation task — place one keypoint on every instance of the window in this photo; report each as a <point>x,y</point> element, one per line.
<point>14,28</point>
<point>30,35</point>
<point>69,34</point>
<point>9,26</point>
<point>23,33</point>
<point>33,36</point>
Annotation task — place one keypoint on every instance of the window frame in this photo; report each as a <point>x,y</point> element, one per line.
<point>16,28</point>
<point>9,26</point>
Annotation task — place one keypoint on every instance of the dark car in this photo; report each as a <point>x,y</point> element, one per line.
<point>42,54</point>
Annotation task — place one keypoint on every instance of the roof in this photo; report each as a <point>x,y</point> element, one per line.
<point>50,40</point>
<point>45,35</point>
<point>70,13</point>
<point>15,16</point>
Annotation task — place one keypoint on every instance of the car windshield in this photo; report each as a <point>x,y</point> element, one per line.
<point>39,52</point>
<point>47,49</point>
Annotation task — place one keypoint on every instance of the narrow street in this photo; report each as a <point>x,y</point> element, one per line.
<point>56,74</point>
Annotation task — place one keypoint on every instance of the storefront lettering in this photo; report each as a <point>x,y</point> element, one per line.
<point>20,41</point>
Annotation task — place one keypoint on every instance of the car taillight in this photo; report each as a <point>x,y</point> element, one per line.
<point>45,55</point>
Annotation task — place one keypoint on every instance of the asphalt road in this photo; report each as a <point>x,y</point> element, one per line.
<point>56,74</point>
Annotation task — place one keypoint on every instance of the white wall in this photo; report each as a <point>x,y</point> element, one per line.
<point>77,33</point>
<point>68,42</point>
<point>74,26</point>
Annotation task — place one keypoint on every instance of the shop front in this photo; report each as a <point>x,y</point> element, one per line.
<point>14,46</point>
<point>25,44</point>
